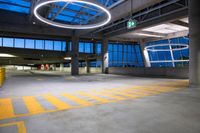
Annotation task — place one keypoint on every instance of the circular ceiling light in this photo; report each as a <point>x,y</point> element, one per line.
<point>43,3</point>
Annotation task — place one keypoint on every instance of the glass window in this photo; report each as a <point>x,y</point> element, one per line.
<point>98,48</point>
<point>48,45</point>
<point>29,43</point>
<point>39,44</point>
<point>57,45</point>
<point>19,43</point>
<point>87,48</point>
<point>8,42</point>
<point>0,41</point>
<point>81,47</point>
<point>64,46</point>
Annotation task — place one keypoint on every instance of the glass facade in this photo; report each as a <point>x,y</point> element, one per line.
<point>166,56</point>
<point>86,47</point>
<point>52,45</point>
<point>125,55</point>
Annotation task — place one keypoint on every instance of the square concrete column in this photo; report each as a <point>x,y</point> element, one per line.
<point>105,56</point>
<point>87,66</point>
<point>61,67</point>
<point>194,33</point>
<point>74,60</point>
<point>145,54</point>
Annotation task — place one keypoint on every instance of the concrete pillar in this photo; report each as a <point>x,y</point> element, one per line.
<point>194,33</point>
<point>145,54</point>
<point>105,56</point>
<point>74,61</point>
<point>87,66</point>
<point>61,67</point>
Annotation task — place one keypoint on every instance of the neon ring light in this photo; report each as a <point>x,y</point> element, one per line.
<point>43,3</point>
<point>154,48</point>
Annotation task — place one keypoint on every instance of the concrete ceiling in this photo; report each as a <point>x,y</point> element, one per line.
<point>23,24</point>
<point>176,28</point>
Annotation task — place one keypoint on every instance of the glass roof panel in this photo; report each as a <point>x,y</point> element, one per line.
<point>107,3</point>
<point>20,6</point>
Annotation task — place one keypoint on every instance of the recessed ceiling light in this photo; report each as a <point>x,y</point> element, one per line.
<point>7,55</point>
<point>67,58</point>
<point>147,35</point>
<point>166,28</point>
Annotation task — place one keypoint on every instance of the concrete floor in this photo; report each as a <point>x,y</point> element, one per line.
<point>169,112</point>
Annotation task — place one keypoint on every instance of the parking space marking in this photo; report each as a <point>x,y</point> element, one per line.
<point>99,99</point>
<point>33,105</point>
<point>77,100</point>
<point>56,102</point>
<point>36,104</point>
<point>6,108</point>
<point>20,125</point>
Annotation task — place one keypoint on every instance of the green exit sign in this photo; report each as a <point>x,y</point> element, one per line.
<point>131,24</point>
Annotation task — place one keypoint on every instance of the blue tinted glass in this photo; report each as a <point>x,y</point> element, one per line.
<point>87,47</point>
<point>57,45</point>
<point>8,42</point>
<point>0,41</point>
<point>98,48</point>
<point>39,44</point>
<point>64,46</point>
<point>20,6</point>
<point>19,43</point>
<point>29,43</point>
<point>48,45</point>
<point>81,47</point>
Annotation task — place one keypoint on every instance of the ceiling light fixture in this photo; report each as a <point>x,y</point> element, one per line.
<point>43,3</point>
<point>148,35</point>
<point>7,55</point>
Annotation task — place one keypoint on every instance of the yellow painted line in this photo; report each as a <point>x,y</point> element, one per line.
<point>161,89</point>
<point>77,100</point>
<point>145,90</point>
<point>141,94</point>
<point>152,88</point>
<point>101,100</point>
<point>20,125</point>
<point>33,105</point>
<point>121,92</point>
<point>56,102</point>
<point>6,108</point>
<point>106,94</point>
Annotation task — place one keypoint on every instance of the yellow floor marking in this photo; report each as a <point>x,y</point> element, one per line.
<point>101,100</point>
<point>161,89</point>
<point>77,100</point>
<point>152,88</point>
<point>137,93</point>
<point>121,92</point>
<point>106,94</point>
<point>20,125</point>
<point>6,108</point>
<point>33,105</point>
<point>57,103</point>
<point>145,90</point>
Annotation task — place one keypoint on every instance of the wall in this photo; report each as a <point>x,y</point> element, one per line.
<point>163,72</point>
<point>82,70</point>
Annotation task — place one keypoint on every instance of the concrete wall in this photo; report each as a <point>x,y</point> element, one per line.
<point>82,70</point>
<point>163,72</point>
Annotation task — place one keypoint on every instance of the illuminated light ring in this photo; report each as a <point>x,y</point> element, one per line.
<point>149,48</point>
<point>90,26</point>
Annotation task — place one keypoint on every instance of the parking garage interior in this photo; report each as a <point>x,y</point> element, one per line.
<point>99,66</point>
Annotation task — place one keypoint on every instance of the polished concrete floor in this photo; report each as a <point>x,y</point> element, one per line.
<point>53,102</point>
